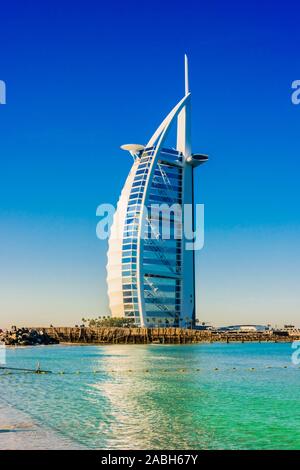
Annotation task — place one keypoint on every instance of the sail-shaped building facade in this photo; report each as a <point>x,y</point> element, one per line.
<point>151,276</point>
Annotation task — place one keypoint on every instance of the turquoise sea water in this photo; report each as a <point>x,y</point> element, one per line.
<point>161,396</point>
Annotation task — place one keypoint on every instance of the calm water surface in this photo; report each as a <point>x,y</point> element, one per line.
<point>161,396</point>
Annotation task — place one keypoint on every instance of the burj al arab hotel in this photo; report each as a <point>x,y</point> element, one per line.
<point>151,278</point>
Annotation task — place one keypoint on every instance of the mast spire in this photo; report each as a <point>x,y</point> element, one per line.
<point>186,74</point>
<point>184,117</point>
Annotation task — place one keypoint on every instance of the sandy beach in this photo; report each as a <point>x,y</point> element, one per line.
<point>18,431</point>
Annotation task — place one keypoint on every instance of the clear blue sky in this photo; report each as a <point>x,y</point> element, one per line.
<point>83,78</point>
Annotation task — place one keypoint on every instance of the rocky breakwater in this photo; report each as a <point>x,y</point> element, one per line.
<point>26,337</point>
<point>134,335</point>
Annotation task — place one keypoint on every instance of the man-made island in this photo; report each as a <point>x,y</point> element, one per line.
<point>135,335</point>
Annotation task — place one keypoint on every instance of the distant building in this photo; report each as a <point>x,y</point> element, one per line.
<point>244,328</point>
<point>204,327</point>
<point>288,330</point>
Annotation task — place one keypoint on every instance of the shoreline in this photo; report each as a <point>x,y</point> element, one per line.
<point>85,343</point>
<point>289,341</point>
<point>20,431</point>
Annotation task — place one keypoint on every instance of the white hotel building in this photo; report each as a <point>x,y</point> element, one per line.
<point>152,279</point>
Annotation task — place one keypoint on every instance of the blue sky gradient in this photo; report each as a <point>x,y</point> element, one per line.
<point>85,77</point>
